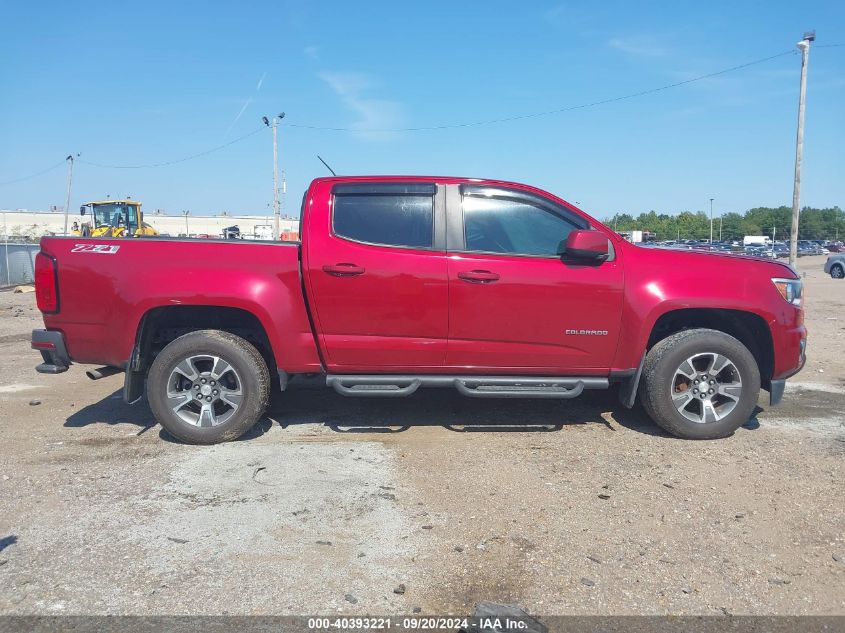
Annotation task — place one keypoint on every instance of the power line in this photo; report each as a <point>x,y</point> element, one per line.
<point>39,173</point>
<point>433,127</point>
<point>548,112</point>
<point>177,160</point>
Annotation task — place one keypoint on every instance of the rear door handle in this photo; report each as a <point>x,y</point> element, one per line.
<point>343,270</point>
<point>478,276</point>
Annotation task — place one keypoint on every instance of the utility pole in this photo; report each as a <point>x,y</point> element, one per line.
<point>720,227</point>
<point>804,46</point>
<point>283,203</point>
<point>69,160</point>
<point>6,248</point>
<point>187,232</point>
<point>274,124</point>
<point>711,220</point>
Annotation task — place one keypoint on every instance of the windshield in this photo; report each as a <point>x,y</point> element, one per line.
<point>116,215</point>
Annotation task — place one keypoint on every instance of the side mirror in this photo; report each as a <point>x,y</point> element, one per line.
<point>81,210</point>
<point>587,244</point>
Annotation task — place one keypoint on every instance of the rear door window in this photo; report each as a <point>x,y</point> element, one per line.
<point>389,215</point>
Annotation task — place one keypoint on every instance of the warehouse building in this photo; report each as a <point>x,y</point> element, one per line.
<point>22,223</point>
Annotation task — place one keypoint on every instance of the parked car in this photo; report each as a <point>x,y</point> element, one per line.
<point>835,265</point>
<point>780,250</point>
<point>808,247</point>
<point>760,251</point>
<point>496,289</point>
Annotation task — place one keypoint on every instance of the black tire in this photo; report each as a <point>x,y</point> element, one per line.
<point>659,383</point>
<point>837,271</point>
<point>248,381</point>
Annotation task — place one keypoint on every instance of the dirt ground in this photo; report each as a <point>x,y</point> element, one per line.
<point>331,504</point>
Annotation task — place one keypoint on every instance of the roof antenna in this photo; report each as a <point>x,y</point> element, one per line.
<point>327,165</point>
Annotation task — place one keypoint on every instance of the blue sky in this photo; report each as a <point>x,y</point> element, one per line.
<point>146,82</point>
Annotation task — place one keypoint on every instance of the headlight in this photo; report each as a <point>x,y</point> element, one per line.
<point>789,289</point>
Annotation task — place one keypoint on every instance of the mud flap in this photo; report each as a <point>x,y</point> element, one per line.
<point>628,388</point>
<point>776,389</point>
<point>133,381</point>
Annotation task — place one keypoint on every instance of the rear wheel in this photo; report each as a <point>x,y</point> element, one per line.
<point>700,384</point>
<point>837,271</point>
<point>208,386</point>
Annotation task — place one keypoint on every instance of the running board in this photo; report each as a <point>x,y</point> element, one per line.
<point>394,386</point>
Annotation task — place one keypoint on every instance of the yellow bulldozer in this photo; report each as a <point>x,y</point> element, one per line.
<point>114,218</point>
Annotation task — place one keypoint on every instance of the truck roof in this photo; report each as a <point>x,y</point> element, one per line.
<point>445,180</point>
<point>417,178</point>
<point>135,202</point>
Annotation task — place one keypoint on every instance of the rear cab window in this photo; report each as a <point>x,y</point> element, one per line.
<point>385,214</point>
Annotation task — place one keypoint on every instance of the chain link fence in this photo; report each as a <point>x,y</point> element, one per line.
<point>17,263</point>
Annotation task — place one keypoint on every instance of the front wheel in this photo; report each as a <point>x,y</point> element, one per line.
<point>837,271</point>
<point>208,386</point>
<point>700,384</point>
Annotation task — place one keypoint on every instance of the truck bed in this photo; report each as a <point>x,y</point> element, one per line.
<point>106,286</point>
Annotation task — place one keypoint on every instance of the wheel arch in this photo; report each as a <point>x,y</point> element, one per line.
<point>748,328</point>
<point>160,325</point>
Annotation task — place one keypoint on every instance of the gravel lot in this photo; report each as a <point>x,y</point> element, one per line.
<point>333,503</point>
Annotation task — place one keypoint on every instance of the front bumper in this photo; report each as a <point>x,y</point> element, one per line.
<point>51,344</point>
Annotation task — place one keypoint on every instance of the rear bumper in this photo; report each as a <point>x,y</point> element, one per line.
<point>51,344</point>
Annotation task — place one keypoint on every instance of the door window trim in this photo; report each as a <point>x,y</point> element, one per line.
<point>424,189</point>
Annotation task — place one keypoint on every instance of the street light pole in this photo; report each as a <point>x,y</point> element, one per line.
<point>274,124</point>
<point>804,45</point>
<point>283,202</point>
<point>720,227</point>
<point>69,160</point>
<point>711,220</point>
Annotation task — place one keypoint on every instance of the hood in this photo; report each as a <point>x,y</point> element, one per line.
<point>672,256</point>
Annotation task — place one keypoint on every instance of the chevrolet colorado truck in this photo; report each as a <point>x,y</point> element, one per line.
<point>497,289</point>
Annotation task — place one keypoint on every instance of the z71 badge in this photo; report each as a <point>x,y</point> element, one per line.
<point>104,249</point>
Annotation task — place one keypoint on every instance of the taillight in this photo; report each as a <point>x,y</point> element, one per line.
<point>46,284</point>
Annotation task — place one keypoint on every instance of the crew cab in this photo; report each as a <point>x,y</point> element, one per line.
<point>497,289</point>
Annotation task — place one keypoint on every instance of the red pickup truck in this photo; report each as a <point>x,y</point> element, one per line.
<point>494,288</point>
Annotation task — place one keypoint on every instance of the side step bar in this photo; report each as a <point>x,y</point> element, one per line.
<point>393,386</point>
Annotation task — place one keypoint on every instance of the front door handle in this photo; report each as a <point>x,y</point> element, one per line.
<point>343,270</point>
<point>478,276</point>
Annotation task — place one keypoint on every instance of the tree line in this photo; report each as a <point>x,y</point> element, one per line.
<point>814,224</point>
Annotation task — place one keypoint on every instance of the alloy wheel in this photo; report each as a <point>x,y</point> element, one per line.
<point>204,390</point>
<point>706,387</point>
